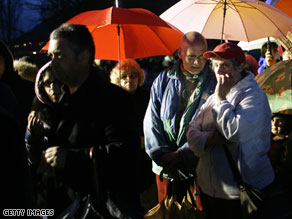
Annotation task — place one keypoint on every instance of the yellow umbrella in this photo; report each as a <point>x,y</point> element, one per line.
<point>240,20</point>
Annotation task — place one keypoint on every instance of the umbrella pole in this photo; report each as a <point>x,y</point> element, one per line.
<point>119,58</point>
<point>224,14</point>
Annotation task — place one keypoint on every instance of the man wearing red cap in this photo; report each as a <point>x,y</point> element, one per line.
<point>236,115</point>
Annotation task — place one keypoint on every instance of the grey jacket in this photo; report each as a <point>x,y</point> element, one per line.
<point>245,120</point>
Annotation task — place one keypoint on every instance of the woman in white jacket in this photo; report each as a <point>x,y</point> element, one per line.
<point>237,115</point>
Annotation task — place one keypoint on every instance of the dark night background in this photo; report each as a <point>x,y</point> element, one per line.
<point>25,25</point>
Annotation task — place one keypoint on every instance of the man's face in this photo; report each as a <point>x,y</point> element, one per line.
<point>225,68</point>
<point>192,59</point>
<point>65,63</point>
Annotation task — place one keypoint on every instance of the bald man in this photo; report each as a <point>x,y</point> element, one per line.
<point>175,100</point>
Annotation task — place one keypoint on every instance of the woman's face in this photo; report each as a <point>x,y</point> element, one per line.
<point>2,66</point>
<point>53,87</point>
<point>129,81</point>
<point>278,125</point>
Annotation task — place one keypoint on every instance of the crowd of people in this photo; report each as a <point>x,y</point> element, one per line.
<point>76,131</point>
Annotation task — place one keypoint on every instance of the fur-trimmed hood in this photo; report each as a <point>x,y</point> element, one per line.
<point>26,70</point>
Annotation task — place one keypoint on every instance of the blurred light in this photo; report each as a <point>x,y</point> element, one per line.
<point>34,52</point>
<point>24,44</point>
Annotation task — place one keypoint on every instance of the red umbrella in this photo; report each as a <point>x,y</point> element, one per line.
<point>120,33</point>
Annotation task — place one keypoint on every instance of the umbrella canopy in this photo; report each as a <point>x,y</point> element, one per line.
<point>277,84</point>
<point>240,20</point>
<point>121,33</point>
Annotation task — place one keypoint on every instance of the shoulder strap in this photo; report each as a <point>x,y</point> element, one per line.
<point>236,173</point>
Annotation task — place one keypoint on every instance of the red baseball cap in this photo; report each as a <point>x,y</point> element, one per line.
<point>252,60</point>
<point>227,51</point>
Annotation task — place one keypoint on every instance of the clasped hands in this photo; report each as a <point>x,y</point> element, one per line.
<point>171,163</point>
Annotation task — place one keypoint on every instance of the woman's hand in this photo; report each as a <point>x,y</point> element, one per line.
<point>34,124</point>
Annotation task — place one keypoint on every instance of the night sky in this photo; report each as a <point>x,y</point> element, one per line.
<point>29,19</point>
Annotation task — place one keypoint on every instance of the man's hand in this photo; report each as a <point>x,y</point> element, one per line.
<point>171,162</point>
<point>55,156</point>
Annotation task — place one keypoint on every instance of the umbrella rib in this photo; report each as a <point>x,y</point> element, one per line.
<point>251,6</point>
<point>196,3</point>
<point>240,4</point>
<point>215,8</point>
<point>242,21</point>
<point>155,33</point>
<point>161,40</point>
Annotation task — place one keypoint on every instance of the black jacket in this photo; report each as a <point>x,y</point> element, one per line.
<point>100,114</point>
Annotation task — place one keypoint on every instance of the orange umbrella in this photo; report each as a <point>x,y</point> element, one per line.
<point>240,20</point>
<point>120,33</point>
<point>283,5</point>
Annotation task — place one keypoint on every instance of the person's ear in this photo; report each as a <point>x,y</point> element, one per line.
<point>84,56</point>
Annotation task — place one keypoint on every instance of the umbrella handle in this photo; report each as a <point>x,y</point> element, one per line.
<point>224,14</point>
<point>269,46</point>
<point>119,58</point>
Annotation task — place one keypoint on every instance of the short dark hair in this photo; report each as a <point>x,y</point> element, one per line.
<point>78,36</point>
<point>273,47</point>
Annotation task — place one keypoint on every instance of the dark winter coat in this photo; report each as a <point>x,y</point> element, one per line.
<point>101,115</point>
<point>22,89</point>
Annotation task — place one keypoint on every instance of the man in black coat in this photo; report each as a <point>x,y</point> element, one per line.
<point>89,119</point>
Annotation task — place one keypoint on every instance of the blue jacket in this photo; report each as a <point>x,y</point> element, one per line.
<point>159,122</point>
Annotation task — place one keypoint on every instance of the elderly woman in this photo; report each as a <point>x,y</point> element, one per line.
<point>238,116</point>
<point>132,75</point>
<point>131,78</point>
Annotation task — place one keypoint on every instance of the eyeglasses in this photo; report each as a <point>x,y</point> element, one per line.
<point>198,58</point>
<point>130,76</point>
